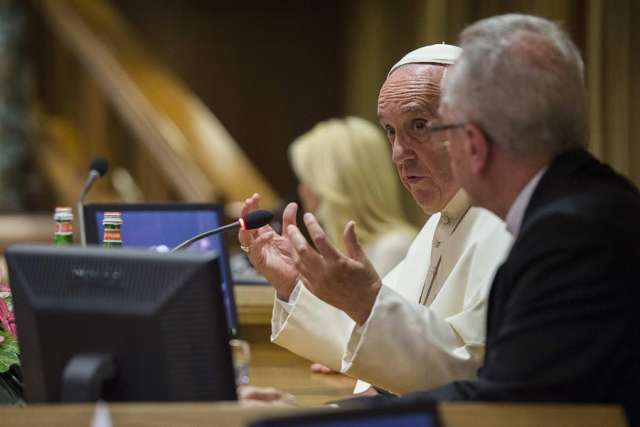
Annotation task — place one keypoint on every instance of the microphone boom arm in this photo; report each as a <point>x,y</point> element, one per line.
<point>186,243</point>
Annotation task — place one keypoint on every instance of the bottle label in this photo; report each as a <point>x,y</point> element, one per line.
<point>112,235</point>
<point>64,228</point>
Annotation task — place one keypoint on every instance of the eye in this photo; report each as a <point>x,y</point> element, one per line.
<point>390,132</point>
<point>419,126</point>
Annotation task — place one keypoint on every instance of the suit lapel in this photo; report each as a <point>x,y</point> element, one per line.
<point>552,186</point>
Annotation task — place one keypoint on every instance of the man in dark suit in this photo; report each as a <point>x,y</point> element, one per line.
<point>562,323</point>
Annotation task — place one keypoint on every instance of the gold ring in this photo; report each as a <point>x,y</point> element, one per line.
<point>244,248</point>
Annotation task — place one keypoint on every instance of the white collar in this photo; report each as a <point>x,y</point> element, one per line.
<point>516,212</point>
<point>456,208</point>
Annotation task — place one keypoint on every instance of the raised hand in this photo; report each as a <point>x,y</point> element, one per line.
<point>348,282</point>
<point>269,252</point>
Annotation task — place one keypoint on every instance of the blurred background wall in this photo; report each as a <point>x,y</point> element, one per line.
<point>199,99</point>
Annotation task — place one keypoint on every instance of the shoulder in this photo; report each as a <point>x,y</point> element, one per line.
<point>485,231</point>
<point>601,214</point>
<point>599,228</point>
<point>579,191</point>
<point>482,219</point>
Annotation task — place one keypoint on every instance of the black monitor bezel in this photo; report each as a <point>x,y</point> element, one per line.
<point>338,414</point>
<point>27,305</point>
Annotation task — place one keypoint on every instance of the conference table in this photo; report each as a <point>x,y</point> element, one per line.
<point>276,367</point>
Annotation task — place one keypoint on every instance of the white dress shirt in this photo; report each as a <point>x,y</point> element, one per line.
<point>516,211</point>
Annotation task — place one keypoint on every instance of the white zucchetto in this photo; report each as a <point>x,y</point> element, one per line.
<point>436,54</point>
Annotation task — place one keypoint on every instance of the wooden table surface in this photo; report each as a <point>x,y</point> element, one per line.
<point>273,366</point>
<point>276,367</point>
<point>254,304</point>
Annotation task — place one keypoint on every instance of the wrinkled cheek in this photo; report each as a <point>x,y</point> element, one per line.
<point>455,168</point>
<point>454,164</point>
<point>426,194</point>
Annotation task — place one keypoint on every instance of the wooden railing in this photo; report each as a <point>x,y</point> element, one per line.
<point>193,151</point>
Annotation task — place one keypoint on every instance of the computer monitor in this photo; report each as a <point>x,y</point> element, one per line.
<point>145,326</point>
<point>163,226</point>
<point>390,415</point>
<point>393,415</point>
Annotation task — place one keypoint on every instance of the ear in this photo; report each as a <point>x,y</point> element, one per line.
<point>478,149</point>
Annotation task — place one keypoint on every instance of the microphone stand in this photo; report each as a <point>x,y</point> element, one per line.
<point>186,243</point>
<point>93,175</point>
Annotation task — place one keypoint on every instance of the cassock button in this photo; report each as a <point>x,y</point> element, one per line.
<point>436,243</point>
<point>445,219</point>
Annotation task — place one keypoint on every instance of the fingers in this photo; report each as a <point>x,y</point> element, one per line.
<point>258,393</point>
<point>354,250</point>
<point>245,238</point>
<point>307,260</point>
<point>263,238</point>
<point>319,238</point>
<point>299,243</point>
<point>319,368</point>
<point>264,394</point>
<point>289,216</point>
<point>250,204</point>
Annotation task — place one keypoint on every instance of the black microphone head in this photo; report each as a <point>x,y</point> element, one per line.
<point>99,165</point>
<point>255,219</point>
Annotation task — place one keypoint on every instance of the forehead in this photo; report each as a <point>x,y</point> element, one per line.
<point>411,88</point>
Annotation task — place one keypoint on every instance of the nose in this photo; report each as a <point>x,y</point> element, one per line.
<point>401,149</point>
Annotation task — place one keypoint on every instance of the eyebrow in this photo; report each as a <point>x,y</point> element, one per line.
<point>413,108</point>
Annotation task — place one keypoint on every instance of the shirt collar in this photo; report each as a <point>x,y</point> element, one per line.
<point>516,212</point>
<point>456,208</point>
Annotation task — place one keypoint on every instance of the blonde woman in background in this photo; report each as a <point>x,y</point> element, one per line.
<point>344,173</point>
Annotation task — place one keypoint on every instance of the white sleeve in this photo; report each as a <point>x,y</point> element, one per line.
<point>282,308</point>
<point>312,328</point>
<point>428,351</point>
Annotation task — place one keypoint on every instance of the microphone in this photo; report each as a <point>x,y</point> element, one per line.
<point>250,221</point>
<point>97,168</point>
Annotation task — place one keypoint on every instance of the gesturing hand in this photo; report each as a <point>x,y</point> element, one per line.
<point>349,283</point>
<point>269,252</point>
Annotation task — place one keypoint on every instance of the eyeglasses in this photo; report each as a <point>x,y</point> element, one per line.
<point>437,130</point>
<point>436,127</point>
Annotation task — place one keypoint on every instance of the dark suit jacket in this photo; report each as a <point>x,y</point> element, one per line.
<point>564,309</point>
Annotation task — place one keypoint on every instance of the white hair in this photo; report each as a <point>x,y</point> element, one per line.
<point>521,79</point>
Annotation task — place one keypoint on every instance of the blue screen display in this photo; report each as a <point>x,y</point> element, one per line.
<point>162,230</point>
<point>391,420</point>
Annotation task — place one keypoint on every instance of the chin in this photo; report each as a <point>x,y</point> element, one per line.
<point>428,201</point>
<point>429,208</point>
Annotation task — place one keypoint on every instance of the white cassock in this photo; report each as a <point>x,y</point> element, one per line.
<point>427,326</point>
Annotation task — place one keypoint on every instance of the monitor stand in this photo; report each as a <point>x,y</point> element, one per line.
<point>84,376</point>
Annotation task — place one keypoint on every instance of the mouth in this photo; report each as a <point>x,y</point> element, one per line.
<point>413,179</point>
